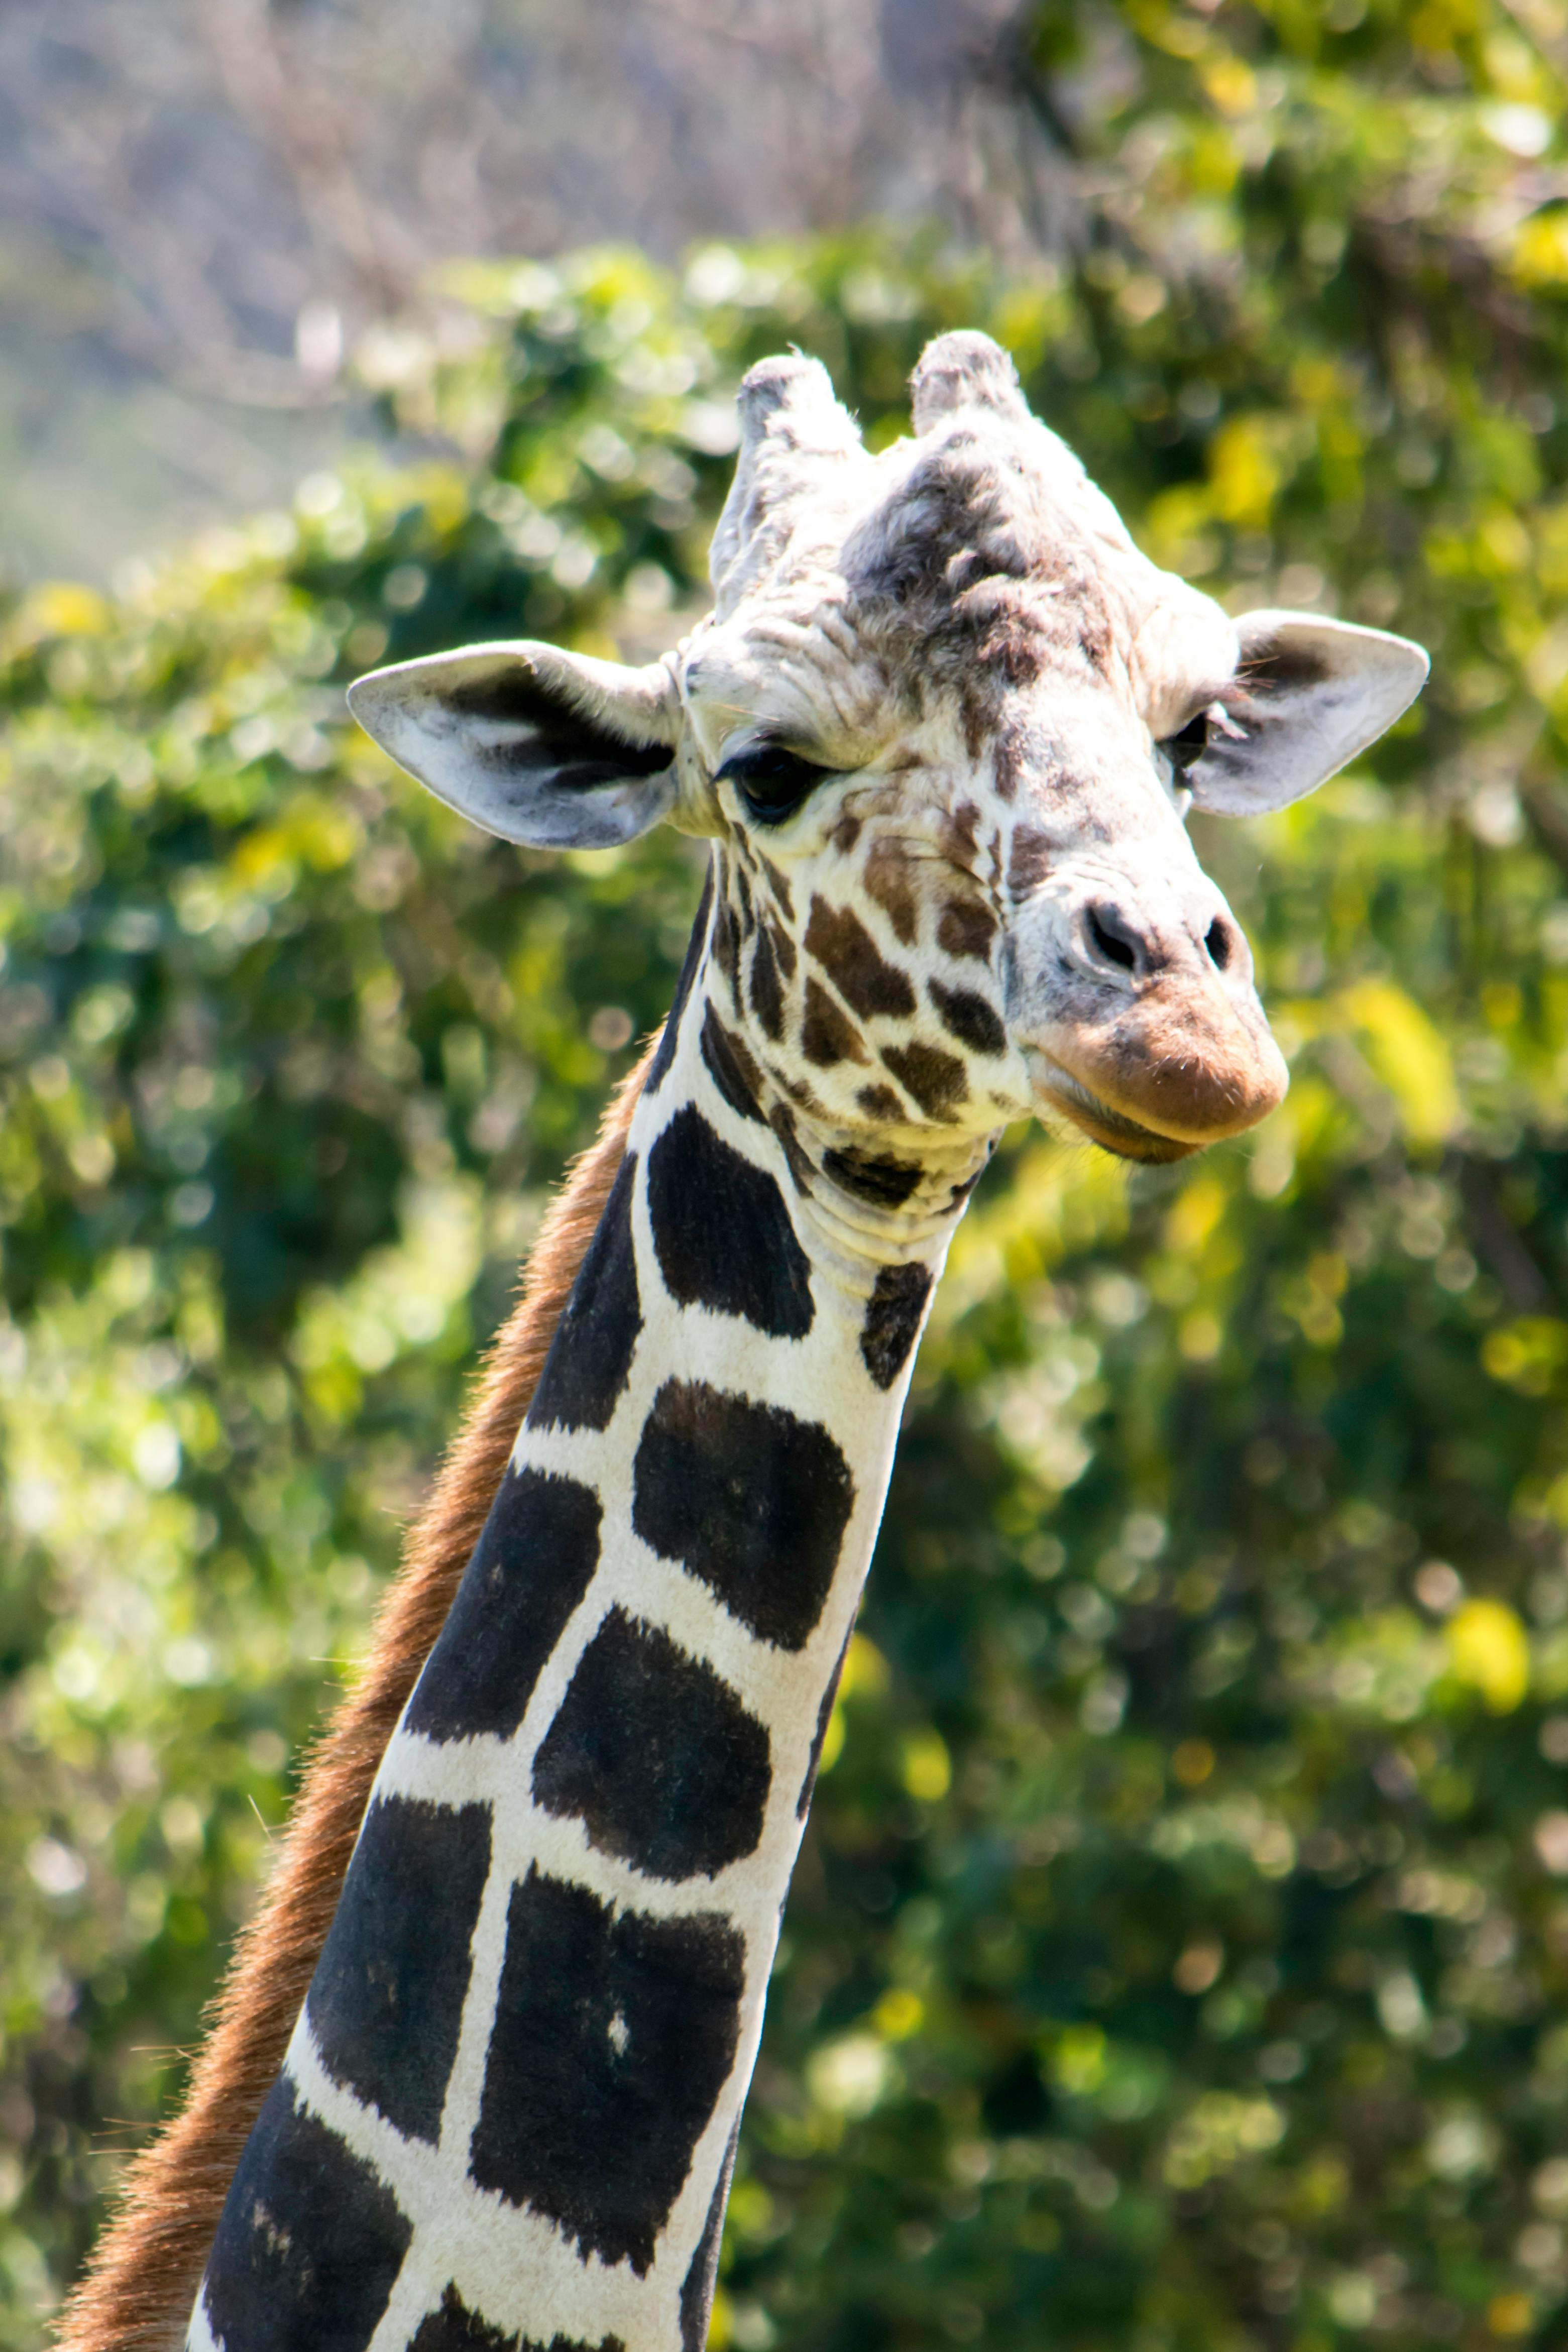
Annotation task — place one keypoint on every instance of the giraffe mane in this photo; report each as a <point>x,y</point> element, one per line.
<point>137,2293</point>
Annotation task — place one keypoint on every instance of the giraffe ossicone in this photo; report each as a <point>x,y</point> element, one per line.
<point>941,732</point>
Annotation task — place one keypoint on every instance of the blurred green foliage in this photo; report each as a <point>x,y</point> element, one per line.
<point>1178,1956</point>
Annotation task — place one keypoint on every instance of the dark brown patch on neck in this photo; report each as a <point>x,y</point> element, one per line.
<point>935,1080</point>
<point>885,1182</point>
<point>960,835</point>
<point>694,947</point>
<point>894,1314</point>
<point>802,1096</point>
<point>970,1017</point>
<point>784,947</point>
<point>767,996</point>
<point>727,949</point>
<point>780,1118</point>
<point>730,1066</point>
<point>844,948</point>
<point>779,885</point>
<point>888,881</point>
<point>1029,862</point>
<point>826,1034</point>
<point>966,927</point>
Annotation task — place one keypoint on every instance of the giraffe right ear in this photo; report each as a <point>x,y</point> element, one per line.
<point>551,749</point>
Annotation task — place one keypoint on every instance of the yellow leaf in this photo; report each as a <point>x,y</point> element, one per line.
<point>1195,1214</point>
<point>1488,1651</point>
<point>928,1768</point>
<point>1231,84</point>
<point>899,2013</point>
<point>1527,1355</point>
<point>865,1670</point>
<point>1540,250</point>
<point>1246,470</point>
<point>63,608</point>
<point>1409,1056</point>
<point>1078,2061</point>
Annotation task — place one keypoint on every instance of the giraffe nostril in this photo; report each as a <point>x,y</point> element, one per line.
<point>1220,943</point>
<point>1112,937</point>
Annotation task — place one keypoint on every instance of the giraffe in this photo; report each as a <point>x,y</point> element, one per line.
<point>940,732</point>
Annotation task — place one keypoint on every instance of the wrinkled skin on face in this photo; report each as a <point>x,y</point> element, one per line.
<point>944,725</point>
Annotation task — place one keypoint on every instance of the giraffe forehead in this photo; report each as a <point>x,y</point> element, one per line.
<point>977,574</point>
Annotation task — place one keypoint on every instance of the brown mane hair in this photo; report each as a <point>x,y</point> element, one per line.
<point>137,2293</point>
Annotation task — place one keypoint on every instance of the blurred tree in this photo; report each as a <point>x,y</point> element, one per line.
<point>203,202</point>
<point>1179,1953</point>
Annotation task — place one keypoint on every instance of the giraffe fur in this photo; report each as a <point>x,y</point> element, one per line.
<point>941,730</point>
<point>136,2294</point>
<point>597,1782</point>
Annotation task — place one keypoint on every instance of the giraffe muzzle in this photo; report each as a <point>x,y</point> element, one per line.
<point>1153,1042</point>
<point>1183,1063</point>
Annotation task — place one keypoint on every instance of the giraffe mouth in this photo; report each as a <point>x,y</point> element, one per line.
<point>1111,1130</point>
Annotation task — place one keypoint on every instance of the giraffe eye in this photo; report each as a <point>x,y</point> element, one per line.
<point>772,782</point>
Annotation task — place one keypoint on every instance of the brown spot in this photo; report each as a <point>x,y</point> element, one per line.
<point>826,1034</point>
<point>934,1080</point>
<point>779,885</point>
<point>967,928</point>
<point>780,1118</point>
<point>846,832</point>
<point>879,1102</point>
<point>959,834</point>
<point>847,951</point>
<point>1011,647</point>
<point>801,1095</point>
<point>730,1066</point>
<point>784,948</point>
<point>887,880</point>
<point>894,1313</point>
<point>887,1183</point>
<point>767,996</point>
<point>727,948</point>
<point>1030,861</point>
<point>972,1018</point>
<point>1007,766</point>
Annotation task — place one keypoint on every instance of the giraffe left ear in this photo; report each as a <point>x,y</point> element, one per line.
<point>551,749</point>
<point>1309,694</point>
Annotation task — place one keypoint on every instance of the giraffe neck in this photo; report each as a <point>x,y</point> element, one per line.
<point>508,2114</point>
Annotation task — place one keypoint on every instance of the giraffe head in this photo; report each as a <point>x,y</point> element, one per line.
<point>944,724</point>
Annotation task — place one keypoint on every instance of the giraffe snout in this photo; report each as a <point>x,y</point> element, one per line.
<point>1146,1029</point>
